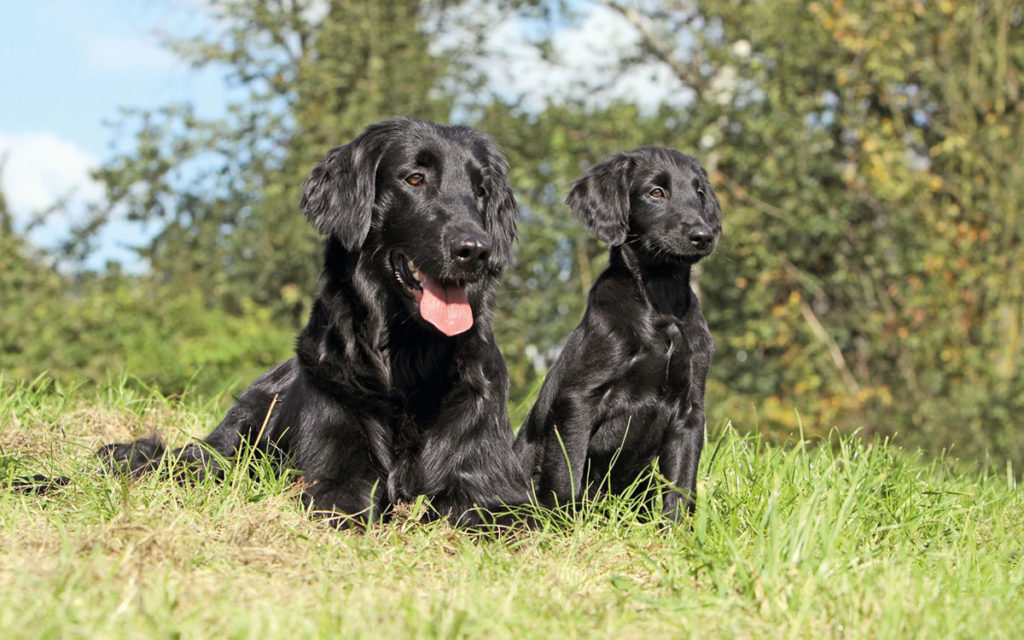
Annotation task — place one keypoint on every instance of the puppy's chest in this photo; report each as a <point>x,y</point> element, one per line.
<point>659,367</point>
<point>650,394</point>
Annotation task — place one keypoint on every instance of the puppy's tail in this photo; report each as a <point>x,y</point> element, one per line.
<point>38,483</point>
<point>129,459</point>
<point>133,458</point>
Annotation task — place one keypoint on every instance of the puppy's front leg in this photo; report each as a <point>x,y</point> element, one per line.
<point>565,454</point>
<point>244,421</point>
<point>678,460</point>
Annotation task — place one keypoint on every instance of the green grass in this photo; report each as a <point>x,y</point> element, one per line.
<point>836,539</point>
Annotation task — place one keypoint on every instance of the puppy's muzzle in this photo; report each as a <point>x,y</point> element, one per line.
<point>701,238</point>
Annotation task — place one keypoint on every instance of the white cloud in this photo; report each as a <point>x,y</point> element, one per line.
<point>42,168</point>
<point>316,10</point>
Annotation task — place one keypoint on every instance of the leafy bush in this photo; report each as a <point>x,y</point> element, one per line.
<point>98,327</point>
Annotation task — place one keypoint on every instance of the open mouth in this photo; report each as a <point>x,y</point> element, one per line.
<point>406,273</point>
<point>443,304</point>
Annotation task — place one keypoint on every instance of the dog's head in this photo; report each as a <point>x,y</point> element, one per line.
<point>429,205</point>
<point>655,198</point>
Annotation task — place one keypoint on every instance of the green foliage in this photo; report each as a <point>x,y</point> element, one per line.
<point>844,540</point>
<point>105,327</point>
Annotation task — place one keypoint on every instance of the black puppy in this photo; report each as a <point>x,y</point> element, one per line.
<point>629,385</point>
<point>397,388</point>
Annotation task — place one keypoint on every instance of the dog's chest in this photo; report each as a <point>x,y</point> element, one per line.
<point>669,355</point>
<point>657,372</point>
<point>650,394</point>
<point>675,356</point>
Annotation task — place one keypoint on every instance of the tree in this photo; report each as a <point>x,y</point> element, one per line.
<point>226,192</point>
<point>866,153</point>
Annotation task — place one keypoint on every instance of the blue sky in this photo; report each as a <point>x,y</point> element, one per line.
<point>66,67</point>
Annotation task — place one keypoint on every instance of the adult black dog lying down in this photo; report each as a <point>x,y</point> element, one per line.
<point>397,389</point>
<point>628,386</point>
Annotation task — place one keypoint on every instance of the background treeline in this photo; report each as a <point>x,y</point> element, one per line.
<point>867,155</point>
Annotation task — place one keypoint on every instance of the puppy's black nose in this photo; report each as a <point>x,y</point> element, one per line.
<point>471,250</point>
<point>701,237</point>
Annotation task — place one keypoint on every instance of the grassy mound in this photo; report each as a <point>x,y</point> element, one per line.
<point>839,538</point>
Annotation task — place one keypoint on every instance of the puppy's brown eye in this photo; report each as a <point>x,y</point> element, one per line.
<point>700,194</point>
<point>415,179</point>
<point>657,193</point>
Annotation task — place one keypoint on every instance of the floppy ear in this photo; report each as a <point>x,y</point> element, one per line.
<point>711,205</point>
<point>338,195</point>
<point>600,199</point>
<point>501,209</point>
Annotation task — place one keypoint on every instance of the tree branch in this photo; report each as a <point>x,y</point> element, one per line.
<point>687,73</point>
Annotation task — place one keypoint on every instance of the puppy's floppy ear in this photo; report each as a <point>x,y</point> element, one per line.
<point>501,209</point>
<point>600,199</point>
<point>711,206</point>
<point>338,195</point>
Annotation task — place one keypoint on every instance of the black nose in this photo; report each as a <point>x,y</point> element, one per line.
<point>701,237</point>
<point>471,250</point>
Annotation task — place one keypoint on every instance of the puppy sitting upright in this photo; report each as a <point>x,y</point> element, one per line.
<point>628,386</point>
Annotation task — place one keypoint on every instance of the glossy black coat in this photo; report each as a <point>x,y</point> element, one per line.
<point>628,386</point>
<point>378,406</point>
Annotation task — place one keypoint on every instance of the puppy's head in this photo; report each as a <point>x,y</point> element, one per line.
<point>428,205</point>
<point>657,199</point>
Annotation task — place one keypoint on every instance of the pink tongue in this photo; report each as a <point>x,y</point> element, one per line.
<point>445,306</point>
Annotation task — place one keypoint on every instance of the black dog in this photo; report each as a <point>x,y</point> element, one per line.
<point>397,389</point>
<point>629,385</point>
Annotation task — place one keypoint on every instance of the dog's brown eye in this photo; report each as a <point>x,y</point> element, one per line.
<point>657,193</point>
<point>700,194</point>
<point>415,179</point>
